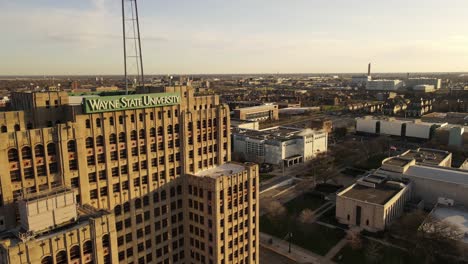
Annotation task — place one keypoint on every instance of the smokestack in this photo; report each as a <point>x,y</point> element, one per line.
<point>368,69</point>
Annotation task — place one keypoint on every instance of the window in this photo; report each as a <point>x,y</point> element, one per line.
<point>99,141</point>
<point>142,134</point>
<point>71,146</point>
<point>98,122</point>
<point>111,121</point>
<point>122,137</point>
<point>89,142</point>
<point>39,151</point>
<point>26,153</point>
<point>112,139</point>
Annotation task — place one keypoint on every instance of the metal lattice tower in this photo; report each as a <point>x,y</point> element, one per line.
<point>133,59</point>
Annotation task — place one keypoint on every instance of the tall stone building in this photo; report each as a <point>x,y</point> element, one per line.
<point>142,178</point>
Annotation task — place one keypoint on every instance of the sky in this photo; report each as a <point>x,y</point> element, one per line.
<point>80,37</point>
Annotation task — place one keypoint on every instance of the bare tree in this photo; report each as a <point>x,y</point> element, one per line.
<point>275,210</point>
<point>322,167</point>
<point>354,240</point>
<point>372,252</point>
<point>429,236</point>
<point>306,216</point>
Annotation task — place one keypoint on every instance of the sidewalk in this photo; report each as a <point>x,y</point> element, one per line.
<point>297,254</point>
<point>332,252</point>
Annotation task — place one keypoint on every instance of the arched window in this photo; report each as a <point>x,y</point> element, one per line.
<point>47,260</point>
<point>61,257</point>
<point>89,142</point>
<point>112,139</point>
<point>169,129</point>
<point>111,120</point>
<point>87,247</point>
<point>204,123</point>
<point>75,252</point>
<point>160,131</point>
<point>176,128</point>
<point>126,207</point>
<point>13,154</point>
<point>118,210</point>
<point>142,133</point>
<point>88,123</point>
<point>210,123</point>
<point>152,132</point>
<point>4,129</point>
<point>98,122</point>
<point>99,141</point>
<point>137,203</point>
<point>133,135</point>
<point>17,127</point>
<point>105,241</point>
<point>39,150</point>
<point>71,146</point>
<point>26,152</point>
<point>51,149</point>
<point>122,137</point>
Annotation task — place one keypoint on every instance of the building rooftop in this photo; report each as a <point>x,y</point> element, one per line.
<point>426,156</point>
<point>257,107</point>
<point>373,189</point>
<point>225,169</point>
<point>439,173</point>
<point>278,133</point>
<point>396,161</point>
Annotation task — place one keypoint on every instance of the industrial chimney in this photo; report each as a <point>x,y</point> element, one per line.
<point>368,69</point>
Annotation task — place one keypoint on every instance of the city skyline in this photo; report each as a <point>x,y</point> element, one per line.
<point>84,37</point>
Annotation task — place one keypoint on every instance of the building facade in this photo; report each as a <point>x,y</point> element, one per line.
<point>134,156</point>
<point>257,113</point>
<point>279,145</point>
<point>384,85</point>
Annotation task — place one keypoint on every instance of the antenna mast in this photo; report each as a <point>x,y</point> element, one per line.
<point>133,59</point>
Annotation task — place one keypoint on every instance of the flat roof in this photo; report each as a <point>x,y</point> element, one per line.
<point>380,194</point>
<point>438,173</point>
<point>426,156</point>
<point>396,161</point>
<point>276,133</point>
<point>225,169</point>
<point>257,107</point>
<point>457,216</point>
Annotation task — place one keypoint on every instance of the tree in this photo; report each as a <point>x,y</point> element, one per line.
<point>354,240</point>
<point>372,252</point>
<point>322,167</point>
<point>429,236</point>
<point>340,132</point>
<point>306,216</point>
<point>275,210</point>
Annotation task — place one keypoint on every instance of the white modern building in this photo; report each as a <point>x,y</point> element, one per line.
<point>412,82</point>
<point>384,85</point>
<point>279,145</point>
<point>397,127</point>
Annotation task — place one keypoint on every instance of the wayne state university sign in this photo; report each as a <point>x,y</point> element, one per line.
<point>125,102</point>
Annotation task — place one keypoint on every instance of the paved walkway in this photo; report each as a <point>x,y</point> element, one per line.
<point>297,254</point>
<point>334,250</point>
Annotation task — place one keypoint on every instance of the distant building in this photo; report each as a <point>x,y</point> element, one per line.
<point>424,88</point>
<point>360,79</point>
<point>412,82</point>
<point>373,202</point>
<point>279,145</point>
<point>257,113</point>
<point>244,124</point>
<point>451,118</point>
<point>384,85</point>
<point>397,127</point>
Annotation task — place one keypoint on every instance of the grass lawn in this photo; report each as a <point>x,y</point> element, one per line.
<point>264,177</point>
<point>305,201</point>
<point>314,237</point>
<point>329,218</point>
<point>387,255</point>
<point>373,162</point>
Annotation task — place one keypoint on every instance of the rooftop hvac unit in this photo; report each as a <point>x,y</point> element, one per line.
<point>445,201</point>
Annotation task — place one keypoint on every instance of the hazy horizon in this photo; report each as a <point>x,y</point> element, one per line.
<point>72,38</point>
